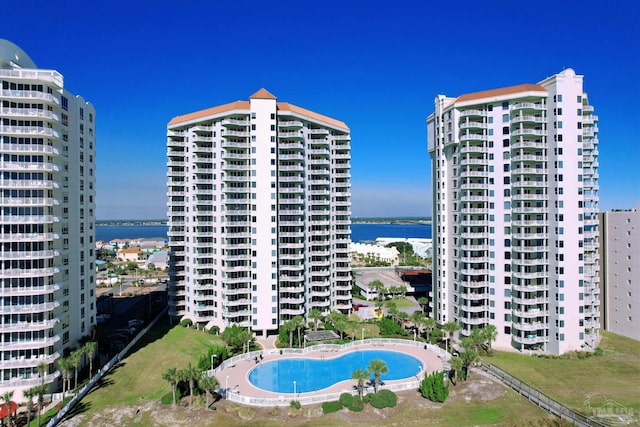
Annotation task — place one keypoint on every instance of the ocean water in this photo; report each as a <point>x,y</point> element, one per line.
<point>359,232</point>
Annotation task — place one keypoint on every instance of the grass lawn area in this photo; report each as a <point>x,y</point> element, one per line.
<point>139,375</point>
<point>404,303</point>
<point>137,383</point>
<point>616,373</point>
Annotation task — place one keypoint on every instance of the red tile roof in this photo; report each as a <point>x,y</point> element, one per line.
<point>500,91</point>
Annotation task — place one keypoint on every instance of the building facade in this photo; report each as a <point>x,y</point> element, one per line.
<point>259,214</point>
<point>47,144</point>
<point>515,203</point>
<point>620,272</point>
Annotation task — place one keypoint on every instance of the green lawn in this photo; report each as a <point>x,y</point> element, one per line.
<point>615,374</point>
<point>404,303</point>
<point>139,376</point>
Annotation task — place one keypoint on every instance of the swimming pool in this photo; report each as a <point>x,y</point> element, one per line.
<point>312,374</point>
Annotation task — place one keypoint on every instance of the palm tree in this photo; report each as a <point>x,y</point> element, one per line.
<point>378,286</point>
<point>42,369</point>
<point>40,389</point>
<point>456,367</point>
<point>361,376</point>
<point>468,358</point>
<point>490,333</point>
<point>191,375</point>
<point>298,323</point>
<point>171,376</point>
<point>290,327</point>
<point>66,365</point>
<point>392,309</point>
<point>29,394</point>
<point>423,301</point>
<point>450,328</point>
<point>316,316</point>
<point>207,383</point>
<point>6,398</point>
<point>377,367</point>
<point>476,338</point>
<point>403,318</point>
<point>429,325</point>
<point>90,349</point>
<point>76,358</point>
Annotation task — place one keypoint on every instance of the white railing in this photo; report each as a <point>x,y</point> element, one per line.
<point>326,397</point>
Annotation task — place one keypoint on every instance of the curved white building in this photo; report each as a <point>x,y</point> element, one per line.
<point>47,204</point>
<point>259,214</point>
<point>515,227</point>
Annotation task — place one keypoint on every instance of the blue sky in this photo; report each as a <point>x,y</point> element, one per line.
<point>375,65</point>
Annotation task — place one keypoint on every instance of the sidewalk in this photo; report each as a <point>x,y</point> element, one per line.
<point>267,343</point>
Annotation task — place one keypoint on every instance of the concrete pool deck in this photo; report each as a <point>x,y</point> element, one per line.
<point>235,375</point>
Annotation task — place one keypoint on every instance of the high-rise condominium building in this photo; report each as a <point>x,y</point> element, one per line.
<point>515,203</point>
<point>620,273</point>
<point>47,176</point>
<point>259,214</point>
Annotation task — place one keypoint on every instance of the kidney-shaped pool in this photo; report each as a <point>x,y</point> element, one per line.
<point>313,374</point>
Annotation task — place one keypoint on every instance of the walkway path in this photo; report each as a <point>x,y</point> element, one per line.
<point>267,343</point>
<point>235,377</point>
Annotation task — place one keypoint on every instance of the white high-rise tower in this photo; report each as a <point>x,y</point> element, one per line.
<point>515,203</point>
<point>47,209</point>
<point>259,214</point>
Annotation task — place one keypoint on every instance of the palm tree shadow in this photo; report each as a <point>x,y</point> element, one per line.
<point>79,408</point>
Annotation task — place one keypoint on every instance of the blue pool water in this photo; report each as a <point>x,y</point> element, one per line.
<point>313,374</point>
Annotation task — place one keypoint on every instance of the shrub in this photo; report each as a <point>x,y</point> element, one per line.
<point>329,407</point>
<point>357,405</point>
<point>275,411</point>
<point>433,388</point>
<point>186,323</point>
<point>384,399</point>
<point>352,403</point>
<point>345,399</point>
<point>367,397</point>
<point>295,404</point>
<point>246,412</point>
<point>389,327</point>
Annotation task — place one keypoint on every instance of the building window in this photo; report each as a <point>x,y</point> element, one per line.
<point>505,105</point>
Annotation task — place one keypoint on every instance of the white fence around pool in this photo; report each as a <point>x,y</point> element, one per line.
<point>327,397</point>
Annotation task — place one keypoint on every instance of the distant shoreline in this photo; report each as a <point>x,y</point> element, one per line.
<point>393,220</point>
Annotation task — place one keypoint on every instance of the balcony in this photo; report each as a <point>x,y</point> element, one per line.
<point>528,132</point>
<point>290,124</point>
<point>234,122</point>
<point>31,94</point>
<point>521,118</point>
<point>227,133</point>
<point>529,339</point>
<point>473,113</point>
<point>535,106</point>
<point>29,344</point>
<point>297,135</point>
<point>472,125</point>
<point>515,145</point>
<point>473,137</point>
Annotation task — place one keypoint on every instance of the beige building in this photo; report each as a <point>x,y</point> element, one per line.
<point>620,272</point>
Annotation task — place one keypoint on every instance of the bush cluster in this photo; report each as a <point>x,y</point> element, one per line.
<point>187,323</point>
<point>295,404</point>
<point>330,407</point>
<point>433,388</point>
<point>571,355</point>
<point>352,403</point>
<point>384,399</point>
